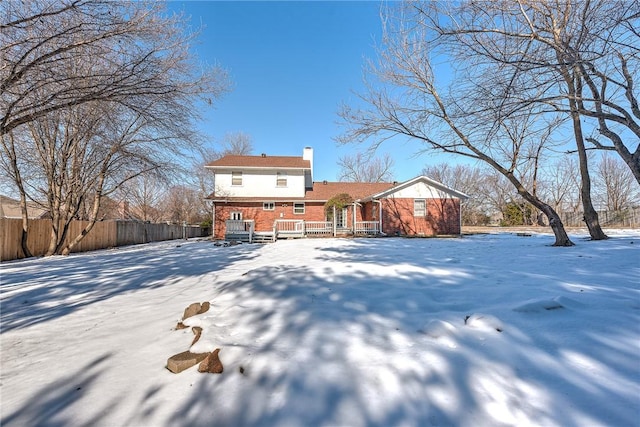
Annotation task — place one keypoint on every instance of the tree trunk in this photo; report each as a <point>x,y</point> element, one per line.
<point>562,239</point>
<point>25,227</point>
<point>590,214</point>
<point>53,236</point>
<point>93,216</point>
<point>574,86</point>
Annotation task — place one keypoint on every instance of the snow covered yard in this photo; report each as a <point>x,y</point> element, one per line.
<point>328,332</point>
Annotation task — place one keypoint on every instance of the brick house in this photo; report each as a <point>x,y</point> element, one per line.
<point>260,198</point>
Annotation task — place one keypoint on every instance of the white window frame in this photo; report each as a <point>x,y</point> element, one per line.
<point>420,211</point>
<point>298,208</point>
<point>235,216</point>
<point>281,179</point>
<point>236,180</point>
<point>268,206</point>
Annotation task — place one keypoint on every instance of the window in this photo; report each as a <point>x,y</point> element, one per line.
<point>419,207</point>
<point>341,218</point>
<point>236,178</point>
<point>281,179</point>
<point>298,208</point>
<point>235,216</point>
<point>269,206</point>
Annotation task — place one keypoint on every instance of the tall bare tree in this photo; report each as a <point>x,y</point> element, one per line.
<point>544,45</point>
<point>616,188</point>
<point>363,167</point>
<point>103,92</point>
<point>466,118</point>
<point>237,143</point>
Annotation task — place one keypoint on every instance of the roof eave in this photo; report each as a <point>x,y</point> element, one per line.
<point>259,167</point>
<point>412,181</point>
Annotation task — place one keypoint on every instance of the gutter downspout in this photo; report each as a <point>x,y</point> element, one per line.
<point>213,220</point>
<point>353,220</point>
<point>460,216</point>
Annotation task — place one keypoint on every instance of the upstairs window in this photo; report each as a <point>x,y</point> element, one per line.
<point>236,178</point>
<point>281,179</point>
<point>419,207</point>
<point>268,206</point>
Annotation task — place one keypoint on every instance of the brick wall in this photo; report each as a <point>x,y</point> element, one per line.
<point>443,217</point>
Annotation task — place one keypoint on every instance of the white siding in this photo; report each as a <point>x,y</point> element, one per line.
<point>260,183</point>
<point>420,190</point>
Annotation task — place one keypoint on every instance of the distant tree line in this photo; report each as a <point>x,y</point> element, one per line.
<point>493,199</point>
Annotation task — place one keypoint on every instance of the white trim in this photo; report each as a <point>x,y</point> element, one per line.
<point>304,208</point>
<point>291,168</point>
<point>424,208</point>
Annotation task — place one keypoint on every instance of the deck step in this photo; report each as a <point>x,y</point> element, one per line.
<point>263,237</point>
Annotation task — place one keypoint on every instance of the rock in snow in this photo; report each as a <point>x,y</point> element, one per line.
<point>211,363</point>
<point>181,361</point>
<point>484,321</point>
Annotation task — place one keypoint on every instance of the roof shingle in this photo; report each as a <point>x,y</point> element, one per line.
<point>232,161</point>
<point>357,190</point>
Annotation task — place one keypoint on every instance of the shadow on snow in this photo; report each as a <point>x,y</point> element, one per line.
<point>360,358</point>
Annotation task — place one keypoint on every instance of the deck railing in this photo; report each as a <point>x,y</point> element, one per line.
<point>298,228</point>
<point>241,230</point>
<point>240,226</point>
<point>317,228</point>
<point>366,227</point>
<point>289,227</point>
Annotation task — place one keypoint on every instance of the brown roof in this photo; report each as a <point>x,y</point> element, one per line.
<point>357,190</point>
<point>261,162</point>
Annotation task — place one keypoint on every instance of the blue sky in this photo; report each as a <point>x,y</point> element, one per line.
<point>293,63</point>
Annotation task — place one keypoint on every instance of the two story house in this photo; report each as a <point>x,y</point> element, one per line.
<point>259,198</point>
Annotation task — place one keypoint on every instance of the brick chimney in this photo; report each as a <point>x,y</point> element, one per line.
<point>307,154</point>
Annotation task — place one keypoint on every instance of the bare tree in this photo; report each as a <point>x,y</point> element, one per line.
<point>182,204</point>
<point>143,195</point>
<point>101,92</point>
<point>237,143</point>
<point>131,46</point>
<point>366,168</point>
<point>467,119</point>
<point>616,187</point>
<point>472,181</point>
<point>561,184</point>
<point>543,45</point>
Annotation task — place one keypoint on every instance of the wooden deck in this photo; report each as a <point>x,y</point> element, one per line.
<point>244,230</point>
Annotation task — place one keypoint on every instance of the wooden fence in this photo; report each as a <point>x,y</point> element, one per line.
<point>624,218</point>
<point>105,234</point>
